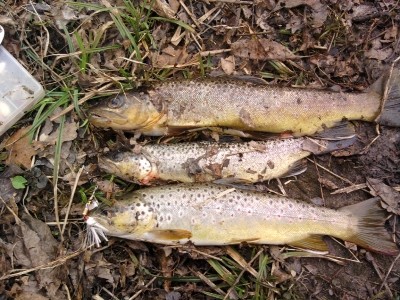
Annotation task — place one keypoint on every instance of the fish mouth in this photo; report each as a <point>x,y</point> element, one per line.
<point>106,118</point>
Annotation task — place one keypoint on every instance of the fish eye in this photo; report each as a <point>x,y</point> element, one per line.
<point>118,156</point>
<point>116,102</point>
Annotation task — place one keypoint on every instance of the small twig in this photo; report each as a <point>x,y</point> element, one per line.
<point>376,267</point>
<point>320,185</point>
<point>349,189</point>
<point>109,293</point>
<point>78,175</point>
<point>191,15</point>
<point>67,291</point>
<point>46,45</point>
<point>210,283</point>
<point>141,291</point>
<point>388,272</point>
<point>213,52</point>
<point>52,264</point>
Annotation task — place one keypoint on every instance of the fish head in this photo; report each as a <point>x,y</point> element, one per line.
<point>130,111</point>
<point>124,218</point>
<point>129,166</point>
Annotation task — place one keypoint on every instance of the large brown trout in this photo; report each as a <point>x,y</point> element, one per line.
<point>207,214</point>
<point>207,161</point>
<point>172,106</point>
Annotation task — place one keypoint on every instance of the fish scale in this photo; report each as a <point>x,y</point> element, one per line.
<point>209,214</point>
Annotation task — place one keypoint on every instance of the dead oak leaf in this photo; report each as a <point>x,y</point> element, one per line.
<point>261,49</point>
<point>20,149</point>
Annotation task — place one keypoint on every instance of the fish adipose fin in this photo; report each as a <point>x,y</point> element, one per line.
<point>313,242</point>
<point>390,109</point>
<point>371,233</point>
<point>340,131</point>
<point>324,146</point>
<point>296,168</point>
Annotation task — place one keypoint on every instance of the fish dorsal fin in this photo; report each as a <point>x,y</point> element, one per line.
<point>296,168</point>
<point>340,131</point>
<point>313,242</point>
<point>169,234</point>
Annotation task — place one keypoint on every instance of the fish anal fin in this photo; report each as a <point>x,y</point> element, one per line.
<point>370,232</point>
<point>170,234</point>
<point>296,168</point>
<point>339,131</point>
<point>313,242</point>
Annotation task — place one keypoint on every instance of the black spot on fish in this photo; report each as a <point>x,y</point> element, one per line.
<point>225,163</point>
<point>299,101</point>
<point>270,164</point>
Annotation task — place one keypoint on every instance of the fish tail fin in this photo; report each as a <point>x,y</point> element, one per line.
<point>370,232</point>
<point>317,146</point>
<point>389,87</point>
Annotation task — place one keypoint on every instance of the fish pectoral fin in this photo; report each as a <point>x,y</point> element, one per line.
<point>324,146</point>
<point>170,234</point>
<point>296,168</point>
<point>250,79</point>
<point>313,242</point>
<point>339,131</point>
<point>231,181</point>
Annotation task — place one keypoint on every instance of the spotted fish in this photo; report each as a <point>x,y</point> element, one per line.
<point>208,161</point>
<point>208,214</point>
<point>170,107</point>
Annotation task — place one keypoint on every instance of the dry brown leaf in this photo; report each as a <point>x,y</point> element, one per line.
<point>319,10</point>
<point>33,245</point>
<point>390,197</point>
<point>69,134</point>
<point>379,54</point>
<point>262,49</point>
<point>228,64</point>
<point>169,56</point>
<point>20,149</point>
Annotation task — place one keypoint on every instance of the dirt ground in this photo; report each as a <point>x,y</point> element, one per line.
<point>83,51</point>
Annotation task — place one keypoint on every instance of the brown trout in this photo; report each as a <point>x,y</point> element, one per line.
<point>225,162</point>
<point>173,106</point>
<point>208,214</point>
